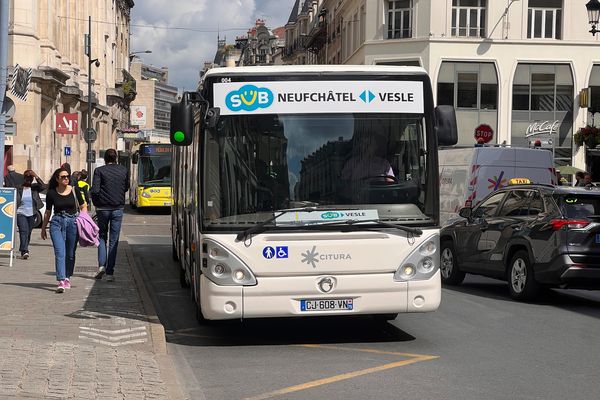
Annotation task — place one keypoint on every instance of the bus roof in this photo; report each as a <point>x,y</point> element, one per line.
<point>295,69</point>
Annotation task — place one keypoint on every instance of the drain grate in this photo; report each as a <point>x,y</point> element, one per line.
<point>86,268</point>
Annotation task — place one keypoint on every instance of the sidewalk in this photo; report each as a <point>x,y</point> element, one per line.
<point>98,340</point>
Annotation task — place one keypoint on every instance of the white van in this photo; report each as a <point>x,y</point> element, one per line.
<point>469,174</point>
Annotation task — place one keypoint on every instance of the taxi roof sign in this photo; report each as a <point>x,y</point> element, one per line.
<point>519,181</point>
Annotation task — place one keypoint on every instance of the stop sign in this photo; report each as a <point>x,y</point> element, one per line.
<point>484,133</point>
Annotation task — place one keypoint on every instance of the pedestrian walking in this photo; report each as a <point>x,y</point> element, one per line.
<point>72,178</point>
<point>109,185</point>
<point>28,205</point>
<point>84,187</point>
<point>66,201</point>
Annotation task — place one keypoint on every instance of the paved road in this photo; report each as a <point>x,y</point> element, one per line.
<point>479,345</point>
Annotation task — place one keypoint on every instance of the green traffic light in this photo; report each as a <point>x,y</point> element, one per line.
<point>179,136</point>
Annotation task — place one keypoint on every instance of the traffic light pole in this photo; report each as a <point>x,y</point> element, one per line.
<point>88,50</point>
<point>3,78</point>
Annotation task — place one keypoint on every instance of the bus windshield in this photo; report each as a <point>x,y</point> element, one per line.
<point>155,170</point>
<point>255,165</point>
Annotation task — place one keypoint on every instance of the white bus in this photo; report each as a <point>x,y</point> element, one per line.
<point>309,191</point>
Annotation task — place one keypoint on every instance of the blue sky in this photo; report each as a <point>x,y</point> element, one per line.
<point>185,49</point>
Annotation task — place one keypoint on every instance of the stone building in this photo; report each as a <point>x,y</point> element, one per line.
<point>260,46</point>
<point>154,98</point>
<point>49,37</point>
<point>517,66</point>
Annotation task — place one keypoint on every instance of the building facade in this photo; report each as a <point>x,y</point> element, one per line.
<point>151,109</point>
<point>48,37</point>
<point>516,67</point>
<point>260,46</point>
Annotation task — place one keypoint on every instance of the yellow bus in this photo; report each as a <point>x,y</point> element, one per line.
<point>151,176</point>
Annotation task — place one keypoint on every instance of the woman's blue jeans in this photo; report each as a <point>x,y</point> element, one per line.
<point>25,224</point>
<point>63,232</point>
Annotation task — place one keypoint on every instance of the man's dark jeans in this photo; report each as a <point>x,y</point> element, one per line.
<point>109,222</point>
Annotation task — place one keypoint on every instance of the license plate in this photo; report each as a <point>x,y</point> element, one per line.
<point>326,304</point>
<point>597,237</point>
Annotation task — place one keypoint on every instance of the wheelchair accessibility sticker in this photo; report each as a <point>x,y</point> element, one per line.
<point>277,252</point>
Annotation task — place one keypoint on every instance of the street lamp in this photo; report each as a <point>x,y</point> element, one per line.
<point>90,134</point>
<point>593,10</point>
<point>133,53</point>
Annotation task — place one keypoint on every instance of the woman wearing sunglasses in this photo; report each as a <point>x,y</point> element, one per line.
<point>66,201</point>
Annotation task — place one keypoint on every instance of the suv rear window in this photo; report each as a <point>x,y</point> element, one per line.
<point>574,206</point>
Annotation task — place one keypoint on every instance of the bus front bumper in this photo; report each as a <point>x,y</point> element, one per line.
<point>154,201</point>
<point>282,296</point>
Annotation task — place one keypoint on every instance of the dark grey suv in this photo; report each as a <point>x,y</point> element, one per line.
<point>528,235</point>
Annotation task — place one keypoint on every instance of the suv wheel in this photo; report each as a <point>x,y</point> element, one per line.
<point>451,274</point>
<point>521,282</point>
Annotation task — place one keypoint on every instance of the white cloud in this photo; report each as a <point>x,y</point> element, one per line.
<point>185,50</point>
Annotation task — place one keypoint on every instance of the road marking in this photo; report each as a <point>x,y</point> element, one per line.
<point>414,358</point>
<point>116,337</point>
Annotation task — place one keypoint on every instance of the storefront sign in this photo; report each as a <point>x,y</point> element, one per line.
<point>484,133</point>
<point>542,128</point>
<point>67,123</point>
<point>138,115</point>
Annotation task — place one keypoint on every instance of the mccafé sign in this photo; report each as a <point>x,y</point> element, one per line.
<point>542,128</point>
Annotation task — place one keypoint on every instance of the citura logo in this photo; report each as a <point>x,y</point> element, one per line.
<point>249,98</point>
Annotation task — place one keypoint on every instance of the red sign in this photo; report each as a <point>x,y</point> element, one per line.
<point>67,124</point>
<point>484,133</point>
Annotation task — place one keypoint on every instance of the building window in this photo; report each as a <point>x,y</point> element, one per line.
<point>543,97</point>
<point>472,89</point>
<point>468,18</point>
<point>476,86</point>
<point>466,91</point>
<point>544,19</point>
<point>399,19</point>
<point>546,88</point>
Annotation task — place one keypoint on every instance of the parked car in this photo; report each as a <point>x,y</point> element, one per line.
<point>530,235</point>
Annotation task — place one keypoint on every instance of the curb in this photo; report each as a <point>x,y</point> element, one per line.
<point>157,330</point>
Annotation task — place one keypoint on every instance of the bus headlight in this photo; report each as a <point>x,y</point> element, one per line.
<point>426,265</point>
<point>405,273</point>
<point>422,263</point>
<point>224,268</point>
<point>428,248</point>
<point>146,195</point>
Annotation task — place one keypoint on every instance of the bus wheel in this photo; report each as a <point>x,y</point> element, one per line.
<point>182,279</point>
<point>451,274</point>
<point>174,252</point>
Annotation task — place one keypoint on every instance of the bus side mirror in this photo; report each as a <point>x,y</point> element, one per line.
<point>182,122</point>
<point>134,157</point>
<point>445,125</point>
<point>212,117</point>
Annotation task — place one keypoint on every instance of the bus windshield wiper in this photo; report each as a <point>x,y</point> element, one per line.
<point>262,226</point>
<point>356,222</point>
